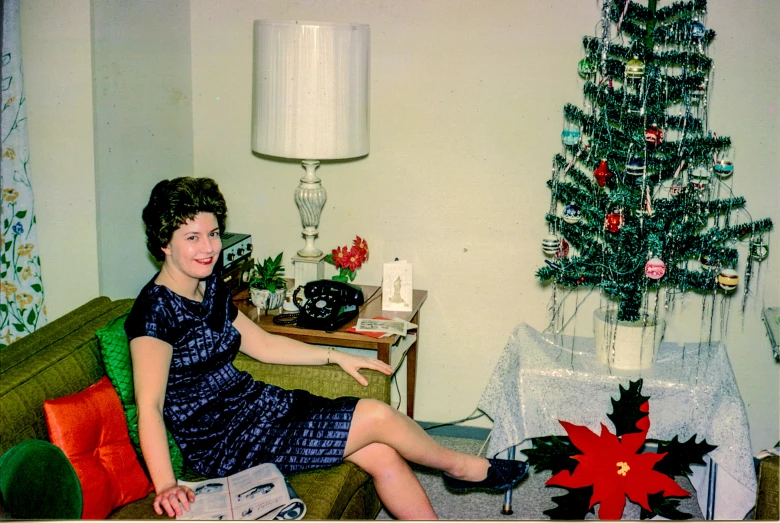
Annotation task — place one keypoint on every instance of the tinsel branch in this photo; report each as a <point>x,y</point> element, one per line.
<point>580,178</point>
<point>570,192</point>
<point>671,30</point>
<point>644,119</point>
<point>698,62</point>
<point>686,279</point>
<point>737,231</point>
<point>681,10</point>
<point>714,207</point>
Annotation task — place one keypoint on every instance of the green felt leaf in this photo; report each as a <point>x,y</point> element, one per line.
<point>575,504</point>
<point>625,410</point>
<point>552,453</point>
<point>663,506</point>
<point>680,455</point>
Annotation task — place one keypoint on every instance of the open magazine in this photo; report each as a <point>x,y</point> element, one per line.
<point>260,492</point>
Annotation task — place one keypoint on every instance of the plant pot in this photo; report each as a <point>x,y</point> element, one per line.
<point>266,300</point>
<point>628,345</point>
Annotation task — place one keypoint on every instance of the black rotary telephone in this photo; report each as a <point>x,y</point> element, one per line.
<point>329,305</point>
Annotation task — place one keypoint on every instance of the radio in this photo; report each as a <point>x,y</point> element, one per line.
<point>235,248</point>
<point>235,262</point>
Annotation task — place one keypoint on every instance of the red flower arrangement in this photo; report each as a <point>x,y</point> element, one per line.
<point>348,259</point>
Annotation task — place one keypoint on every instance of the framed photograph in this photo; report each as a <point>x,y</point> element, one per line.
<point>397,286</point>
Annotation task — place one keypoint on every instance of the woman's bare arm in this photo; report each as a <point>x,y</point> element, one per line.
<point>270,348</point>
<point>151,363</point>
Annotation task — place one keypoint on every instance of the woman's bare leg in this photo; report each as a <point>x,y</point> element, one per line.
<point>377,422</point>
<point>396,484</point>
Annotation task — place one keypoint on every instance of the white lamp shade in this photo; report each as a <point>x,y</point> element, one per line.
<point>311,90</point>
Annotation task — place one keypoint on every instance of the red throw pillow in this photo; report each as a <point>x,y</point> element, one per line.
<point>91,430</point>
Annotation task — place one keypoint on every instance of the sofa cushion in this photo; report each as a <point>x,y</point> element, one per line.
<point>38,482</point>
<point>342,492</point>
<point>58,359</point>
<point>115,350</point>
<point>90,428</point>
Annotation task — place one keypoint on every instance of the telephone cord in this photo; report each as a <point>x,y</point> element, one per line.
<point>286,319</point>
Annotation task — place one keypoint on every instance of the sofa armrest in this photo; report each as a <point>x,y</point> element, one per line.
<point>323,380</point>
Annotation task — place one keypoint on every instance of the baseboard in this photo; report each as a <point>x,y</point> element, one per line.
<point>455,431</point>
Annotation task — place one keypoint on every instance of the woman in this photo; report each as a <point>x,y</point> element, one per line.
<point>184,333</point>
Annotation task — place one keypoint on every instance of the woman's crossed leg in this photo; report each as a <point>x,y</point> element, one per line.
<point>381,440</point>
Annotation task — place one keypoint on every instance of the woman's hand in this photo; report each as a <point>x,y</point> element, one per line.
<point>351,364</point>
<point>172,499</point>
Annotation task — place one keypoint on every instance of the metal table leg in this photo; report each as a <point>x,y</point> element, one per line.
<point>713,473</point>
<point>507,508</point>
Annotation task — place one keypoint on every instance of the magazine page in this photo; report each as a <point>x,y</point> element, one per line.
<point>212,500</point>
<point>295,508</point>
<point>260,492</point>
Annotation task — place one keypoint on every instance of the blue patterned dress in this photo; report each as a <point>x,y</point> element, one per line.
<point>222,419</point>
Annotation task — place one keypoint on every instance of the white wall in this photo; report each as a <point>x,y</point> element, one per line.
<point>143,126</point>
<point>466,115</point>
<point>58,88</point>
<point>746,107</point>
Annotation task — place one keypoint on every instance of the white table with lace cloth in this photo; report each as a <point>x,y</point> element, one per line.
<point>540,379</point>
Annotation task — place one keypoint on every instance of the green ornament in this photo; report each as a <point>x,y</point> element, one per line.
<point>586,67</point>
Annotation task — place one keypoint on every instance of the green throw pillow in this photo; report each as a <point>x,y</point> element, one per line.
<point>38,482</point>
<point>115,350</point>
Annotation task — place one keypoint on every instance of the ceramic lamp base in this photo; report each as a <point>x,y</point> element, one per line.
<point>308,269</point>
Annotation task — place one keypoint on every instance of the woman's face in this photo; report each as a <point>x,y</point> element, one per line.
<point>195,246</point>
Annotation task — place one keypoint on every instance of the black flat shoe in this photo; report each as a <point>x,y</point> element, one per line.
<point>501,474</point>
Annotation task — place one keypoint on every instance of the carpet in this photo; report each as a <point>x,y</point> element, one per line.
<point>530,498</point>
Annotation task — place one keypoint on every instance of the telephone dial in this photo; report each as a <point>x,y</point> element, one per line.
<point>329,305</point>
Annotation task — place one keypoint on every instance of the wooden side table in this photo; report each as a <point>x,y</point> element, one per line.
<point>342,338</point>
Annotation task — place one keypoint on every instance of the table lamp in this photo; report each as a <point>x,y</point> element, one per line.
<point>311,103</point>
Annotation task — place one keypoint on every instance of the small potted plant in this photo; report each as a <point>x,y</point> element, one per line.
<point>267,285</point>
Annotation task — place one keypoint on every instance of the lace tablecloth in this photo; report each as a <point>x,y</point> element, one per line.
<point>540,379</point>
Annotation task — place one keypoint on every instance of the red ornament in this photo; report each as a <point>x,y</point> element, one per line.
<point>613,222</point>
<point>602,173</point>
<point>654,136</point>
<point>563,249</point>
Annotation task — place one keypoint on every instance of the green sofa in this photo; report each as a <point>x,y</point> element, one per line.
<point>63,357</point>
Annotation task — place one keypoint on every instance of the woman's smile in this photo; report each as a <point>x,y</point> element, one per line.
<point>194,248</point>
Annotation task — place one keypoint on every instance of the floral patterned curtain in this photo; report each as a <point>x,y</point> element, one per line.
<point>21,289</point>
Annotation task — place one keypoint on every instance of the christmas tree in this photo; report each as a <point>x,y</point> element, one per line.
<point>641,193</point>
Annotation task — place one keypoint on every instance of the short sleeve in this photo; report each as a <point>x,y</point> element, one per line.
<point>149,318</point>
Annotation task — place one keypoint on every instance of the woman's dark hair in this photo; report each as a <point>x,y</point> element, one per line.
<point>175,202</point>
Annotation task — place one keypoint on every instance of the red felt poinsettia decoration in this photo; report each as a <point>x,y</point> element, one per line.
<point>348,259</point>
<point>606,468</point>
<point>613,468</point>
